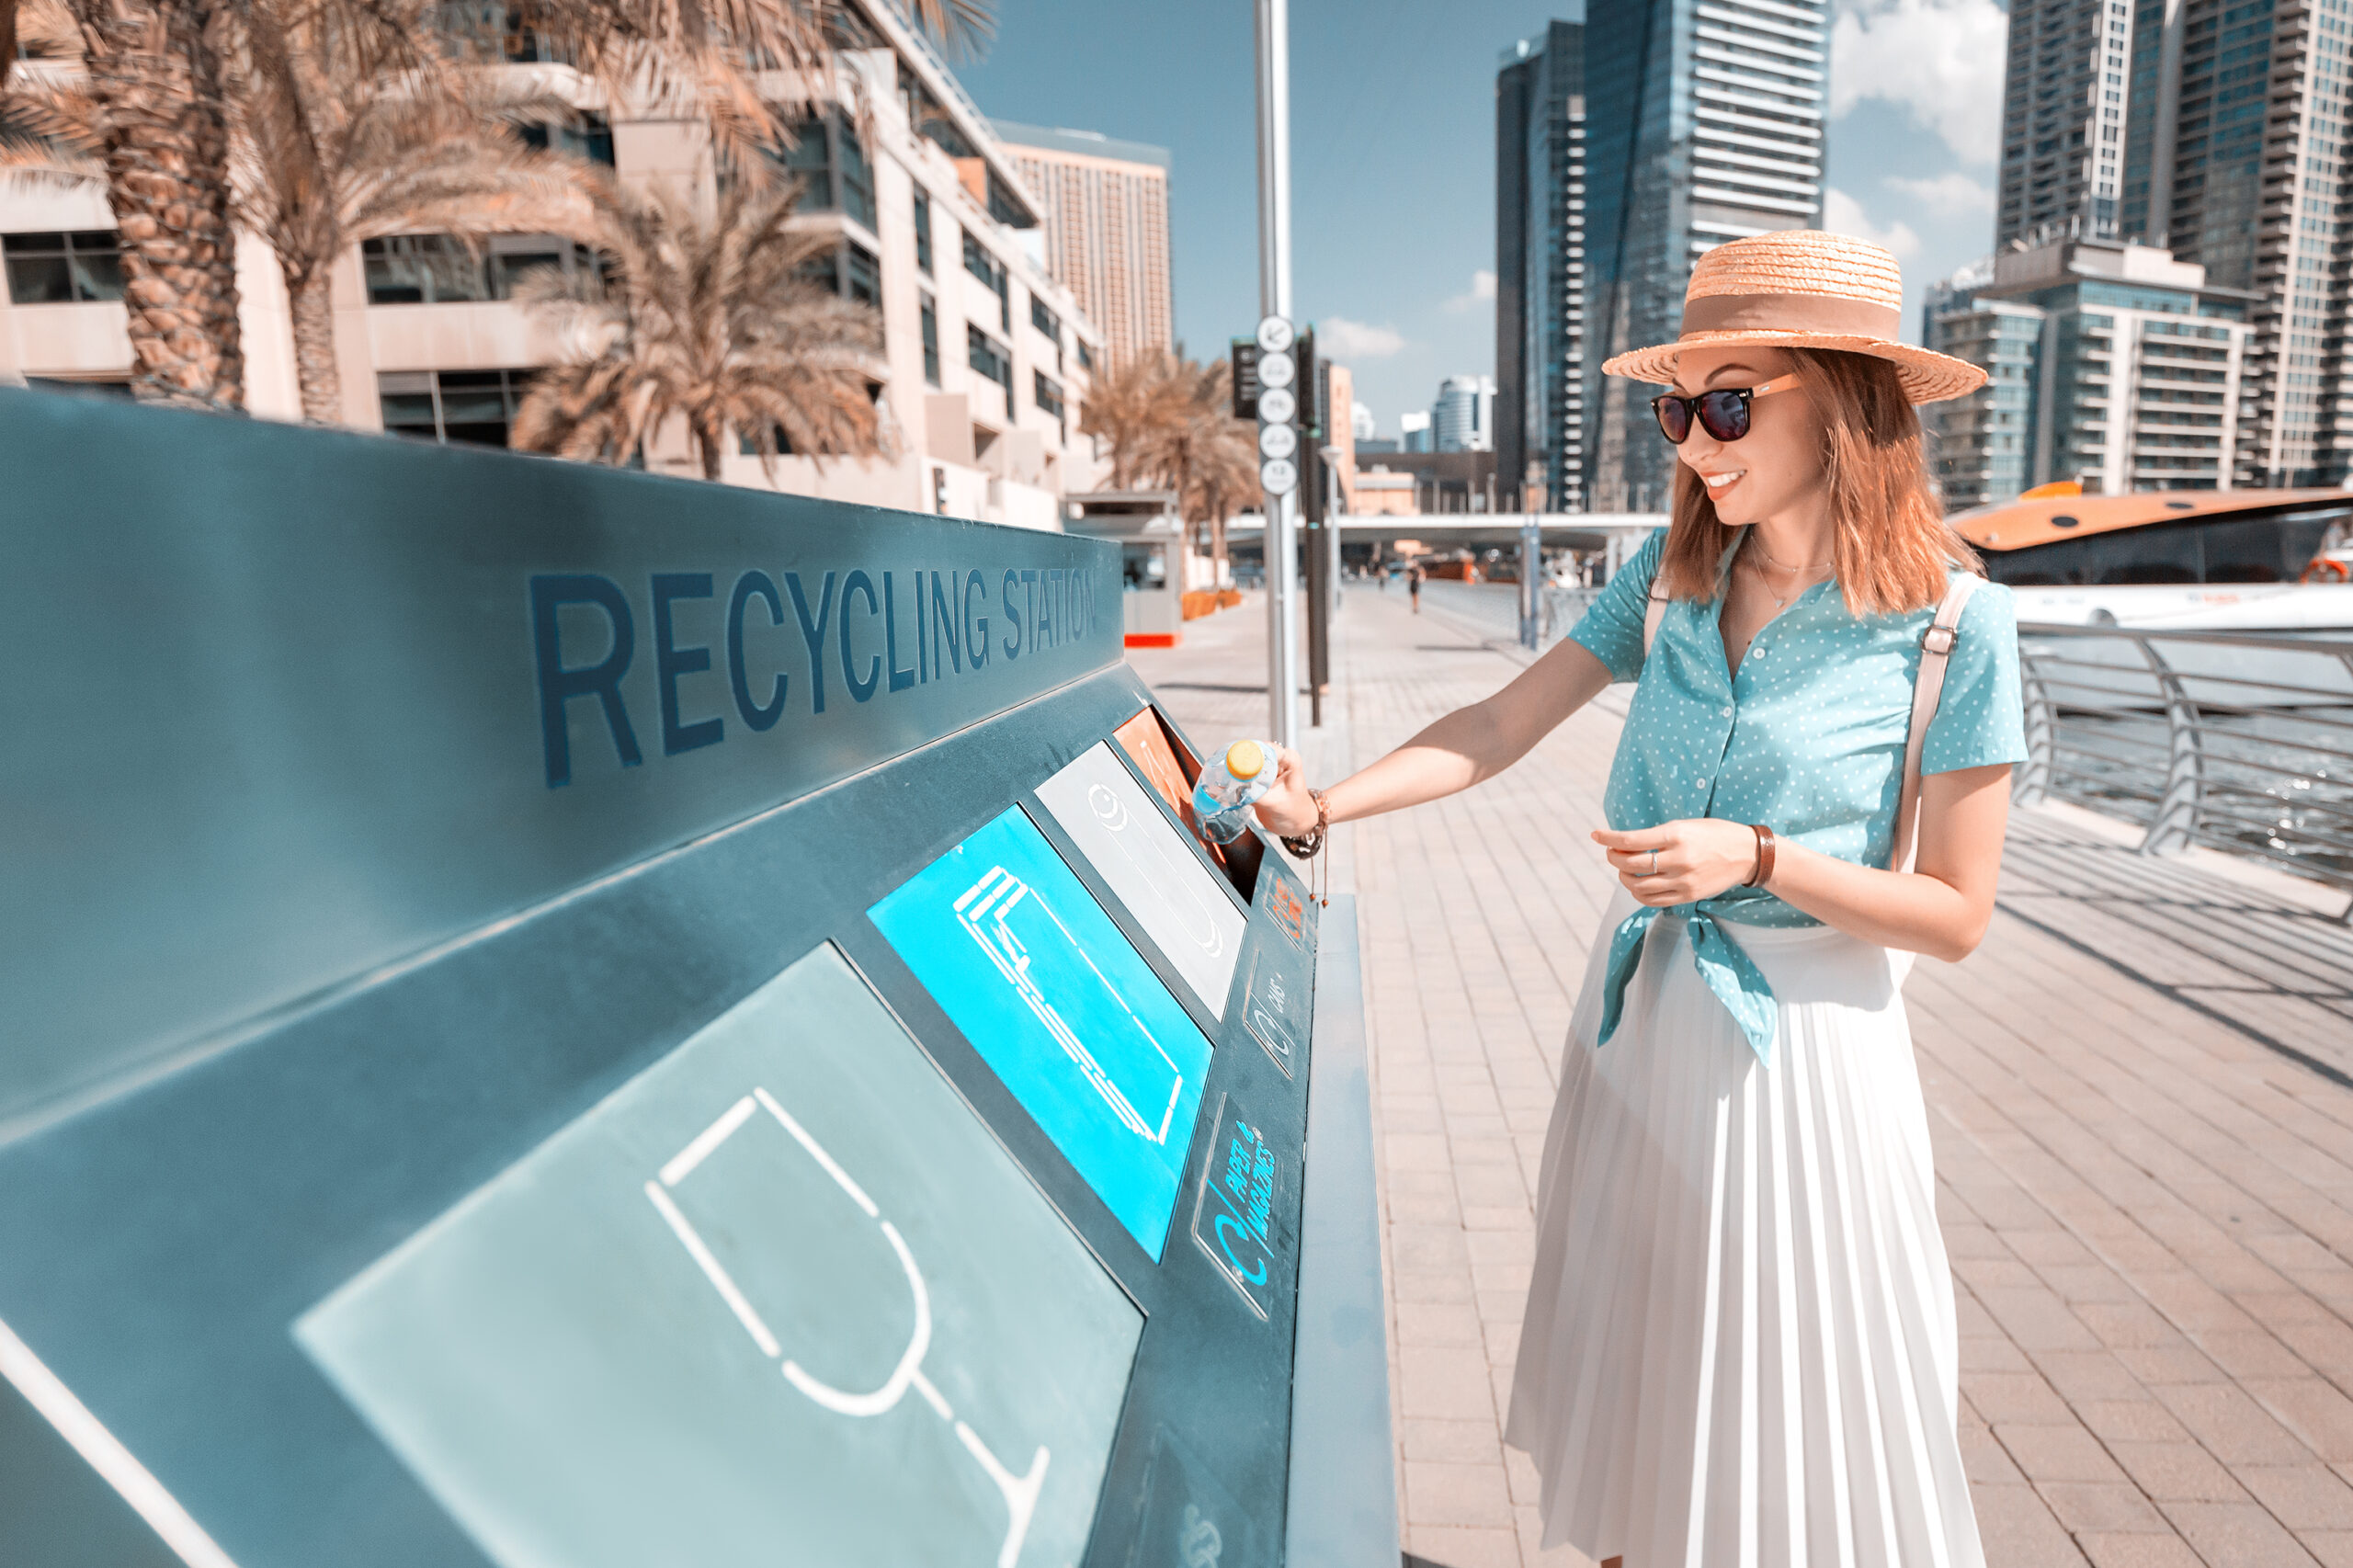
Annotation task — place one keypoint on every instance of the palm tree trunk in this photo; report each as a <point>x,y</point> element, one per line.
<point>708,436</point>
<point>313,302</point>
<point>154,70</point>
<point>1217,544</point>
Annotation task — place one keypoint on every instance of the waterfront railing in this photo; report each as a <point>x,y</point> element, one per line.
<point>2241,742</point>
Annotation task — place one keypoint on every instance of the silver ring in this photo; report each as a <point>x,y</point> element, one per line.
<point>1654,870</point>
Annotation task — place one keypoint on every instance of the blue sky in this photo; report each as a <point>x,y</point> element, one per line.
<point>1393,154</point>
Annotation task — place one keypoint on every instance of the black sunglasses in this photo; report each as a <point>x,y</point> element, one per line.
<point>1722,413</point>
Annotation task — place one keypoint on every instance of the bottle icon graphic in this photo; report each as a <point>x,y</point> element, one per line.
<point>1019,1492</point>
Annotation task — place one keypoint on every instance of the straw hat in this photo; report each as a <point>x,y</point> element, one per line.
<point>1801,289</point>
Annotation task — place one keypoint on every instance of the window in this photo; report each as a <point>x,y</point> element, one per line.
<point>923,230</point>
<point>862,275</point>
<point>991,271</point>
<point>1043,318</point>
<point>59,269</point>
<point>930,340</point>
<point>828,159</point>
<point>591,140</point>
<point>69,386</point>
<point>1086,357</point>
<point>990,359</point>
<point>848,269</point>
<point>468,407</point>
<point>1047,392</point>
<point>423,270</point>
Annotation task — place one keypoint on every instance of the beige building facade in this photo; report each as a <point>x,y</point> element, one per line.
<point>986,358</point>
<point>1105,229</point>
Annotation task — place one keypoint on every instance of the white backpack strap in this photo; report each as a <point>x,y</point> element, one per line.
<point>1928,687</point>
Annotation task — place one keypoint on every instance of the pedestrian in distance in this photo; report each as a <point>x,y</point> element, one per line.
<point>1413,575</point>
<point>1740,1344</point>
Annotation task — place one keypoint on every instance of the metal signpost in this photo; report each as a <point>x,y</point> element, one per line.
<point>1278,437</point>
<point>567,1017</point>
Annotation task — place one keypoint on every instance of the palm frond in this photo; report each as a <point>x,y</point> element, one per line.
<point>704,319</point>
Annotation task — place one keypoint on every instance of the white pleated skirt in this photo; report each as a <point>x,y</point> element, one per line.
<point>1740,1348</point>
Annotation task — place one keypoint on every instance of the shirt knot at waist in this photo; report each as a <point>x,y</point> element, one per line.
<point>1723,968</point>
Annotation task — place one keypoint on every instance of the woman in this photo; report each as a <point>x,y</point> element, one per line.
<point>1740,1344</point>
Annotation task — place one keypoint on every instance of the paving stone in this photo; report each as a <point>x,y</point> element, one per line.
<point>2050,1453</point>
<point>2018,1530</point>
<point>2167,1551</point>
<point>2236,1535</point>
<point>1448,1442</point>
<point>1474,1496</point>
<point>2178,1471</point>
<point>1448,1546</point>
<point>2102,1506</point>
<point>2304,1497</point>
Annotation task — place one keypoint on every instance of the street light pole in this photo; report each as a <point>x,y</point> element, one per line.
<point>1274,300</point>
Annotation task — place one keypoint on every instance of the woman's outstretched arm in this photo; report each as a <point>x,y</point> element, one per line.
<point>1458,751</point>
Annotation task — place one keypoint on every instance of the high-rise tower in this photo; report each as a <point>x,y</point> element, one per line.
<point>2062,119</point>
<point>1105,229</point>
<point>1540,436</point>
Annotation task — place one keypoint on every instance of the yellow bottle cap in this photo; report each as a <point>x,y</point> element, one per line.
<point>1245,759</point>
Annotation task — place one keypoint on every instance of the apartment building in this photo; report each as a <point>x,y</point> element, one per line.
<point>1105,226</point>
<point>985,363</point>
<point>2215,129</point>
<point>2114,365</point>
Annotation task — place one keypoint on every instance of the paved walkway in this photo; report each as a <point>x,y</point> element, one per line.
<point>2141,1093</point>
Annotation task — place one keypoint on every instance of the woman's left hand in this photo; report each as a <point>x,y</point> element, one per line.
<point>1697,858</point>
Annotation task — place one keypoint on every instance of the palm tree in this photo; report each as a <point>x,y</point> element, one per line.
<point>1209,457</point>
<point>1133,406</point>
<point>153,122</point>
<point>711,320</point>
<point>48,124</point>
<point>333,156</point>
<point>1170,422</point>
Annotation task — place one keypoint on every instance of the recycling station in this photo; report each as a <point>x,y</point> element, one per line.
<point>559,1018</point>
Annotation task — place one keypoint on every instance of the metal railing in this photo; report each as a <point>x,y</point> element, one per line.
<point>2239,741</point>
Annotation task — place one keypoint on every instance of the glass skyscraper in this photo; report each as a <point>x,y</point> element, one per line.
<point>1701,123</point>
<point>1540,271</point>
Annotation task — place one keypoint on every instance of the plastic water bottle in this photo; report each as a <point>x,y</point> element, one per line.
<point>1229,786</point>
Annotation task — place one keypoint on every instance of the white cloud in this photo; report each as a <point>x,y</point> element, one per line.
<point>1953,195</point>
<point>1345,339</point>
<point>1940,60</point>
<point>1483,290</point>
<point>1842,214</point>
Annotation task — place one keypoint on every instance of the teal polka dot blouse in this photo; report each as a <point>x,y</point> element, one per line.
<point>1808,736</point>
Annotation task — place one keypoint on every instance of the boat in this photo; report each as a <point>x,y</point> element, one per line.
<point>2267,562</point>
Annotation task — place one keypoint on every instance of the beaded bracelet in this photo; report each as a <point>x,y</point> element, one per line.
<point>1306,846</point>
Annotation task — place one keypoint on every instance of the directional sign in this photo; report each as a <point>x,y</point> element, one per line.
<point>1276,370</point>
<point>1279,476</point>
<point>1276,405</point>
<point>1275,335</point>
<point>1277,440</point>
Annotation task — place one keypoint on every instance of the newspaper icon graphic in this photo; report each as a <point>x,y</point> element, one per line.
<point>996,911</point>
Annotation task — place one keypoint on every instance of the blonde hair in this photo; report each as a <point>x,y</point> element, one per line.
<point>1891,547</point>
